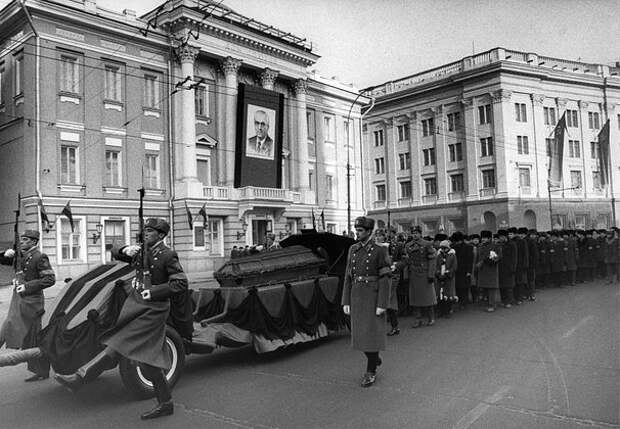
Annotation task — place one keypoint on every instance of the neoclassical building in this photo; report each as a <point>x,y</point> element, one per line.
<point>95,104</point>
<point>464,146</point>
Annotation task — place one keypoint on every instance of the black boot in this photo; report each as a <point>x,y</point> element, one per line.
<point>162,409</point>
<point>87,372</point>
<point>165,406</point>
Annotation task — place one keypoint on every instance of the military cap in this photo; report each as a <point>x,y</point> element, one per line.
<point>157,224</point>
<point>512,230</point>
<point>31,233</point>
<point>502,233</point>
<point>416,228</point>
<point>522,230</point>
<point>486,234</point>
<point>364,222</point>
<point>441,236</point>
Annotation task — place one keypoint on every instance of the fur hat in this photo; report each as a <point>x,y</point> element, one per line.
<point>157,224</point>
<point>512,230</point>
<point>502,232</point>
<point>364,222</point>
<point>440,237</point>
<point>522,230</point>
<point>31,233</point>
<point>458,236</point>
<point>486,234</point>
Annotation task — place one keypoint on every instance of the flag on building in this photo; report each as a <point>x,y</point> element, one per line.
<point>45,222</point>
<point>67,212</point>
<point>313,219</point>
<point>556,160</point>
<point>323,219</point>
<point>205,217</point>
<point>190,220</point>
<point>603,154</point>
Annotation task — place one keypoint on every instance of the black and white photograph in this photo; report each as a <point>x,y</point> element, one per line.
<point>260,144</point>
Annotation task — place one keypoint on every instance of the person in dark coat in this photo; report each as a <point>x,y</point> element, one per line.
<point>365,295</point>
<point>140,331</point>
<point>507,268</point>
<point>445,290</point>
<point>523,263</point>
<point>542,269</point>
<point>465,260</point>
<point>601,251</point>
<point>486,260</point>
<point>557,259</point>
<point>571,256</point>
<point>580,241</point>
<point>27,301</point>
<point>532,251</point>
<point>612,255</point>
<point>476,292</point>
<point>392,308</point>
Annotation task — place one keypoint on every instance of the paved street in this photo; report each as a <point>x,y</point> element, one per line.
<point>549,364</point>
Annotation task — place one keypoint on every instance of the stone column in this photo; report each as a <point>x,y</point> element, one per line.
<point>501,113</point>
<point>539,143</point>
<point>439,138</point>
<point>414,153</point>
<point>268,78</point>
<point>471,179</point>
<point>585,150</point>
<point>230,67</point>
<point>300,160</point>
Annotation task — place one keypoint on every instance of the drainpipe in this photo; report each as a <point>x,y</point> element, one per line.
<point>171,174</point>
<point>372,105</point>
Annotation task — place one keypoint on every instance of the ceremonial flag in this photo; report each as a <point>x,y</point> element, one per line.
<point>67,212</point>
<point>556,160</point>
<point>603,154</point>
<point>313,219</point>
<point>323,219</point>
<point>45,222</point>
<point>190,220</point>
<point>205,217</point>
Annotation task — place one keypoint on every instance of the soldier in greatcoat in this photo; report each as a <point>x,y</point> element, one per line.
<point>392,309</point>
<point>465,260</point>
<point>27,300</point>
<point>532,249</point>
<point>140,331</point>
<point>523,263</point>
<point>486,261</point>
<point>419,259</point>
<point>365,295</point>
<point>571,256</point>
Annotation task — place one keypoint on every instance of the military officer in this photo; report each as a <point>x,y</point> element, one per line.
<point>365,295</point>
<point>27,302</point>
<point>140,331</point>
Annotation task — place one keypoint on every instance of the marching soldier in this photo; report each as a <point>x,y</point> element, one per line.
<point>140,331</point>
<point>27,302</point>
<point>365,295</point>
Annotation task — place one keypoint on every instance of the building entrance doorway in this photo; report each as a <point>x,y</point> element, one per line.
<point>260,228</point>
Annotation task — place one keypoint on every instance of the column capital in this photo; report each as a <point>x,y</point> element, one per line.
<point>412,116</point>
<point>268,78</point>
<point>583,104</point>
<point>538,99</point>
<point>467,101</point>
<point>501,95</point>
<point>301,87</point>
<point>561,102</point>
<point>230,65</point>
<point>186,53</point>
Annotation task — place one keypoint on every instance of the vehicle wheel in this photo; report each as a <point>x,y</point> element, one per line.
<point>135,381</point>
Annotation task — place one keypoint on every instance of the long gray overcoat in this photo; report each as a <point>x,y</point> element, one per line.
<point>420,260</point>
<point>488,270</point>
<point>366,287</point>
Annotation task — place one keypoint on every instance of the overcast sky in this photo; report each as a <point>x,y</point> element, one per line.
<point>368,42</point>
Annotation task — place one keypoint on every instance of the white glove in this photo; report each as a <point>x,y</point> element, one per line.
<point>9,253</point>
<point>380,311</point>
<point>131,250</point>
<point>146,294</point>
<point>20,289</point>
<point>346,309</point>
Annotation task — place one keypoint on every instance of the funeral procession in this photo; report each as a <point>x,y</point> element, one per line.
<point>200,228</point>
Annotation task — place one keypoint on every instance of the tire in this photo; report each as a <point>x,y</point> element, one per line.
<point>134,380</point>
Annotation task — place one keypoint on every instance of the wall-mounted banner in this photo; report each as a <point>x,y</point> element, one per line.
<point>258,156</point>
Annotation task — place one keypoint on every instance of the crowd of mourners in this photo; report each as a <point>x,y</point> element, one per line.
<point>432,276</point>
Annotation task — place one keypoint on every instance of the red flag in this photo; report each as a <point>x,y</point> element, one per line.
<point>45,222</point>
<point>556,160</point>
<point>190,219</point>
<point>205,217</point>
<point>603,154</point>
<point>67,212</point>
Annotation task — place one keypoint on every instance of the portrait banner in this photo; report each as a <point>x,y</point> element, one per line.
<point>258,154</point>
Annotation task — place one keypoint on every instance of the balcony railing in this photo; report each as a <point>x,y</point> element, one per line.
<point>429,199</point>
<point>487,192</point>
<point>456,196</point>
<point>216,192</point>
<point>251,193</point>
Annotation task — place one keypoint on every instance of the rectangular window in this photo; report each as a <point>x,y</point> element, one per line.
<point>329,185</point>
<point>151,91</point>
<point>379,165</point>
<point>430,186</point>
<point>329,129</point>
<point>112,83</point>
<point>428,127</point>
<point>151,171</point>
<point>454,121</point>
<point>19,74</point>
<point>594,150</point>
<point>404,160</point>
<point>456,183</point>
<point>403,132</point>
<point>311,128</point>
<point>2,84</point>
<point>549,115</point>
<point>69,165</point>
<point>522,145</point>
<point>488,178</point>
<point>484,114</point>
<point>596,180</point>
<point>575,179</point>
<point>311,180</point>
<point>203,171</point>
<point>571,119</point>
<point>520,112</point>
<point>201,100</point>
<point>593,121</point>
<point>209,238</point>
<point>69,74</point>
<point>574,151</point>
<point>429,156</point>
<point>549,144</point>
<point>486,147</point>
<point>405,189</point>
<point>112,168</point>
<point>455,152</point>
<point>70,243</point>
<point>378,135</point>
<point>524,177</point>
<point>380,192</point>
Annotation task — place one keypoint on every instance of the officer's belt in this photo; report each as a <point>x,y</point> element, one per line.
<point>365,278</point>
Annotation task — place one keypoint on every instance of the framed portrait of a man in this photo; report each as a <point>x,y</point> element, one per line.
<point>260,144</point>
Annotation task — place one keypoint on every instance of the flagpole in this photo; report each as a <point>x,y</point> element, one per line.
<point>550,208</point>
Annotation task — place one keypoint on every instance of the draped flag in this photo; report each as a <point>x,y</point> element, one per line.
<point>67,212</point>
<point>45,222</point>
<point>190,220</point>
<point>603,154</point>
<point>556,160</point>
<point>205,217</point>
<point>313,219</point>
<point>323,219</point>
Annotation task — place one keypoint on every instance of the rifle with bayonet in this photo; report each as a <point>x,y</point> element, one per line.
<point>17,259</point>
<point>144,263</point>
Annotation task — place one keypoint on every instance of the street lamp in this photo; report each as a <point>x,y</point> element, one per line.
<point>240,234</point>
<point>97,235</point>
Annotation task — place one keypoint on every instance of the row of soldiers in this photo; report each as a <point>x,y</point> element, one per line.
<point>505,268</point>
